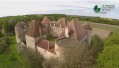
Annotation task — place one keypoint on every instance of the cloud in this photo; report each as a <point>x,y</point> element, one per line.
<point>72,7</point>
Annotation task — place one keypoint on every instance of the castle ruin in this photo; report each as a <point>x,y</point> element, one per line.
<point>35,36</point>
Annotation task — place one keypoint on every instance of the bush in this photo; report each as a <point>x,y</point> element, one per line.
<point>96,45</point>
<point>113,39</point>
<point>51,38</point>
<point>1,34</point>
<point>109,58</point>
<point>4,44</point>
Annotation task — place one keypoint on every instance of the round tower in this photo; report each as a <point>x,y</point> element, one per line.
<point>88,29</point>
<point>64,46</point>
<point>20,31</point>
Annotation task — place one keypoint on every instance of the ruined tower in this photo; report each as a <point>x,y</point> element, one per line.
<point>20,30</point>
<point>64,45</point>
<point>88,29</point>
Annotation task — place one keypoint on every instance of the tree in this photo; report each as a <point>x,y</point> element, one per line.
<point>5,27</point>
<point>1,34</point>
<point>32,58</point>
<point>4,44</point>
<point>96,45</point>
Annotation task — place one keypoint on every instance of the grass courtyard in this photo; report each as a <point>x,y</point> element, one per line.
<point>51,38</point>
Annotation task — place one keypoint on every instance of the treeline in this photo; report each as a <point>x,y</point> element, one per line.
<point>100,20</point>
<point>7,23</point>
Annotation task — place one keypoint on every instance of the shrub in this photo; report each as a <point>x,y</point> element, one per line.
<point>4,45</point>
<point>113,39</point>
<point>96,45</point>
<point>109,57</point>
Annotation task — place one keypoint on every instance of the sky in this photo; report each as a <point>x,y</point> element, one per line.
<point>69,7</point>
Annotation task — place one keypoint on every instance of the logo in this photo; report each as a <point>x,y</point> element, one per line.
<point>96,9</point>
<point>103,8</point>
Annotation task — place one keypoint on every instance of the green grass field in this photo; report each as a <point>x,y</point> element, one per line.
<point>12,59</point>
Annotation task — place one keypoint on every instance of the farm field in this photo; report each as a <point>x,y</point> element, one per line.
<point>104,26</point>
<point>103,30</point>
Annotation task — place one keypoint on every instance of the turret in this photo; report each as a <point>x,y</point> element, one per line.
<point>20,29</point>
<point>88,30</point>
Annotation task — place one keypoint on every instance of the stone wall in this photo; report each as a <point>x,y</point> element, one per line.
<point>30,42</point>
<point>59,52</point>
<point>46,54</point>
<point>57,31</point>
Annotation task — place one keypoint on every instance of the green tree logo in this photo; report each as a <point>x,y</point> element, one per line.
<point>96,9</point>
